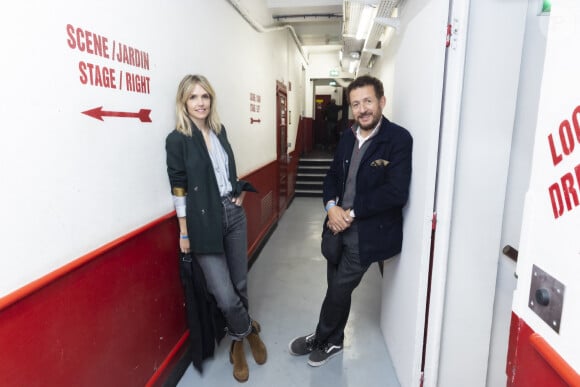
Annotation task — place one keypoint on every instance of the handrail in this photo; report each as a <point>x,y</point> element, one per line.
<point>556,361</point>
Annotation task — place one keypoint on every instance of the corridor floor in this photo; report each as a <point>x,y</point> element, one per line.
<point>287,283</point>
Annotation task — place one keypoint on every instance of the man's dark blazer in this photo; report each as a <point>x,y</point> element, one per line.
<point>382,188</point>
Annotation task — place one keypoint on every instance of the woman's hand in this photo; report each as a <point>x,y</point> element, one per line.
<point>239,200</point>
<point>184,246</point>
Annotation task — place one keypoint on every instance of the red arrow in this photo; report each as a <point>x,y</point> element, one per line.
<point>99,113</point>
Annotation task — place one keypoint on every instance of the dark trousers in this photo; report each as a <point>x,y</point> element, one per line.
<point>342,280</point>
<point>331,133</point>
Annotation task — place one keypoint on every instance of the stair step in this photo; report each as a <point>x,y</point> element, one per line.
<point>313,166</point>
<point>308,187</point>
<point>316,161</point>
<point>310,176</point>
<point>307,193</point>
<point>313,170</point>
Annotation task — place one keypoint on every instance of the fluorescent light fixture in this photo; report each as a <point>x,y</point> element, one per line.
<point>352,66</point>
<point>365,22</point>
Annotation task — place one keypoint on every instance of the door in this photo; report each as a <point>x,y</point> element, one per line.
<point>471,189</point>
<point>282,145</point>
<point>544,333</point>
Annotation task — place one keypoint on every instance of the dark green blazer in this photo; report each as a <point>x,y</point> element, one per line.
<point>189,167</point>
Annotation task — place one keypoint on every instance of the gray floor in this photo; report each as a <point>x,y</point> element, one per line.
<point>286,287</point>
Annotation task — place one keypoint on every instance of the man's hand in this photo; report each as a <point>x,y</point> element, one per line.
<point>339,219</point>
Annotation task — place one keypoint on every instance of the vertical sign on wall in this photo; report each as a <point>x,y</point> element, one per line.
<point>255,101</point>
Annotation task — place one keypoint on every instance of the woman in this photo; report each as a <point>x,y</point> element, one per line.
<point>208,200</point>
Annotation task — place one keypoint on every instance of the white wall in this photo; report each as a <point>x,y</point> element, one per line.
<point>71,183</point>
<point>321,64</point>
<point>533,54</point>
<point>412,72</point>
<point>296,101</point>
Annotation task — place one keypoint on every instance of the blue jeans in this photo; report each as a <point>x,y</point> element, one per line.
<point>342,280</point>
<point>226,274</point>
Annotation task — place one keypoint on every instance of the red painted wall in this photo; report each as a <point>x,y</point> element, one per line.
<point>109,318</point>
<point>114,317</point>
<point>260,207</point>
<point>305,136</point>
<point>532,362</point>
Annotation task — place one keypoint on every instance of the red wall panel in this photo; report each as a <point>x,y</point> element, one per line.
<point>260,207</point>
<point>110,321</point>
<point>305,137</point>
<point>114,317</point>
<point>532,362</point>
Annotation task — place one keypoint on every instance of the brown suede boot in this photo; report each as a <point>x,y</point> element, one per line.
<point>257,345</point>
<point>238,359</point>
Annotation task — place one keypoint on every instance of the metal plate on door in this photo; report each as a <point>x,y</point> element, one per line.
<point>546,297</point>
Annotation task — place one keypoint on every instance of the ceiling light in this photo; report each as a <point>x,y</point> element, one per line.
<point>365,22</point>
<point>353,65</point>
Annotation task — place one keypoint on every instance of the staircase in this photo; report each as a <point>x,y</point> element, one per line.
<point>310,175</point>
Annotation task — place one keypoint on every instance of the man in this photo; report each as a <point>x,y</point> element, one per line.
<point>332,111</point>
<point>364,193</point>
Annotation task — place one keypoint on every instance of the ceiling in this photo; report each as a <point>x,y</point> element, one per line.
<point>318,23</point>
<point>332,25</point>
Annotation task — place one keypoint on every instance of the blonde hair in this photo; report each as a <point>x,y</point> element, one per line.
<point>184,90</point>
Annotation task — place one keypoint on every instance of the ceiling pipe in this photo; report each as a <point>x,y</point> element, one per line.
<point>258,27</point>
<point>308,16</point>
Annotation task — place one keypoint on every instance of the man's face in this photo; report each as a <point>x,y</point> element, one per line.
<point>367,109</point>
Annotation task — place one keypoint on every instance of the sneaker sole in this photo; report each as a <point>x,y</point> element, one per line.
<point>322,362</point>
<point>292,352</point>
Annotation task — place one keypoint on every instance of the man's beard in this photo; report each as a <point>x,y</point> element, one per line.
<point>371,126</point>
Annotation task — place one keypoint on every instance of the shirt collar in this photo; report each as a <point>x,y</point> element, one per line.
<point>361,140</point>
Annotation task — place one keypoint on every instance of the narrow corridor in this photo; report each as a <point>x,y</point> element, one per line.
<point>287,285</point>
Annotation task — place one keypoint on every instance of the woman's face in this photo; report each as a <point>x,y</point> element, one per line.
<point>198,104</point>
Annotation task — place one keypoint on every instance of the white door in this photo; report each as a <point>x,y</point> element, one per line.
<point>544,345</point>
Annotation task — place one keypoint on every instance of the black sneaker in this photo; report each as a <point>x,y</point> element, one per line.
<point>323,354</point>
<point>302,345</point>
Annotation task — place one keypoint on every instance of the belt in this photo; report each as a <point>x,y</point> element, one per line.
<point>227,197</point>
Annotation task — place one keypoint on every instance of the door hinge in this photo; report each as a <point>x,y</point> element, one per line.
<point>448,37</point>
<point>434,221</point>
